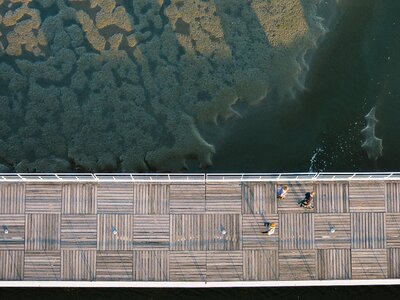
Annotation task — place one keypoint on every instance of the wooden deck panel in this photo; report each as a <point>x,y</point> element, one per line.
<point>106,239</point>
<point>186,243</point>
<point>42,265</point>
<point>259,198</point>
<point>224,266</point>
<point>297,231</point>
<point>368,230</point>
<point>369,264</point>
<point>215,224</point>
<point>393,230</point>
<point>151,199</point>
<point>333,264</point>
<point>79,198</point>
<point>15,239</point>
<point>393,197</point>
<point>79,232</point>
<point>187,198</point>
<point>150,265</point>
<point>187,265</point>
<point>297,191</point>
<point>324,238</point>
<point>42,232</point>
<point>151,232</point>
<point>115,198</point>
<point>11,265</point>
<point>297,265</point>
<point>266,262</point>
<point>367,197</point>
<point>43,198</point>
<point>332,197</point>
<point>224,198</point>
<point>187,232</point>
<point>78,265</point>
<point>253,228</point>
<point>12,198</point>
<point>114,265</point>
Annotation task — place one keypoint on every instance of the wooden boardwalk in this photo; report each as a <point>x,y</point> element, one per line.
<point>197,231</point>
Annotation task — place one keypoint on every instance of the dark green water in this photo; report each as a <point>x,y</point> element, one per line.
<point>356,67</point>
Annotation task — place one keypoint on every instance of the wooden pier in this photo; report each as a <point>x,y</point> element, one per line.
<point>200,231</point>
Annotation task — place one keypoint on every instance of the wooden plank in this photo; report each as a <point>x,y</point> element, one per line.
<point>393,197</point>
<point>224,198</point>
<point>333,197</point>
<point>114,265</point>
<point>11,265</point>
<point>297,265</point>
<point>187,232</point>
<point>333,264</point>
<point>324,238</point>
<point>42,265</point>
<point>368,230</point>
<point>79,198</point>
<point>392,230</point>
<point>216,224</point>
<point>259,198</point>
<point>15,239</point>
<point>151,232</point>
<point>79,232</point>
<point>12,198</point>
<point>393,262</point>
<point>367,196</point>
<point>296,231</point>
<point>78,265</point>
<point>369,264</point>
<point>253,226</point>
<point>187,198</point>
<point>150,265</point>
<point>42,232</point>
<point>187,266</point>
<point>297,191</point>
<point>151,199</point>
<point>106,239</point>
<point>260,265</point>
<point>224,266</point>
<point>43,198</point>
<point>113,197</point>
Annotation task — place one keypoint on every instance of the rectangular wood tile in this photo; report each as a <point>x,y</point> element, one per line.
<point>260,265</point>
<point>11,265</point>
<point>224,197</point>
<point>42,232</point>
<point>369,264</point>
<point>333,264</point>
<point>224,266</point>
<point>78,265</point>
<point>187,266</point>
<point>340,238</point>
<point>12,198</point>
<point>253,228</point>
<point>79,232</point>
<point>113,197</point>
<point>187,232</point>
<point>187,198</point>
<point>393,262</point>
<point>43,198</point>
<point>392,230</point>
<point>297,191</point>
<point>79,198</point>
<point>297,265</point>
<point>42,265</point>
<point>368,230</point>
<point>333,197</point>
<point>15,238</point>
<point>107,238</point>
<point>151,199</point>
<point>150,265</point>
<point>393,197</point>
<point>151,232</point>
<point>259,198</point>
<point>114,265</point>
<point>216,225</point>
<point>367,196</point>
<point>296,231</point>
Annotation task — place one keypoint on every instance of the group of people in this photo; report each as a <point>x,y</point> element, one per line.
<point>307,203</point>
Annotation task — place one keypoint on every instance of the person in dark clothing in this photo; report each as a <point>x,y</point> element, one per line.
<point>308,201</point>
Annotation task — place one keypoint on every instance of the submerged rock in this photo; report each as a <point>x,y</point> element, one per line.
<point>372,145</point>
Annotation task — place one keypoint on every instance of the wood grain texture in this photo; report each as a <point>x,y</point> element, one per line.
<point>42,265</point>
<point>78,265</point>
<point>151,232</point>
<point>392,230</point>
<point>12,198</point>
<point>253,228</point>
<point>333,264</point>
<point>42,232</point>
<point>324,238</point>
<point>224,266</point>
<point>106,239</point>
<point>43,198</point>
<point>296,231</point>
<point>367,197</point>
<point>260,265</point>
<point>15,239</point>
<point>79,232</point>
<point>11,265</point>
<point>187,198</point>
<point>297,265</point>
<point>79,198</point>
<point>151,199</point>
<point>369,264</point>
<point>333,197</point>
<point>115,198</point>
<point>259,198</point>
<point>368,230</point>
<point>187,265</point>
<point>216,224</point>
<point>187,232</point>
<point>224,198</point>
<point>114,265</point>
<point>393,197</point>
<point>297,191</point>
<point>150,265</point>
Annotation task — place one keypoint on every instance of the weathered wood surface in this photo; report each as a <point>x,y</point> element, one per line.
<point>194,231</point>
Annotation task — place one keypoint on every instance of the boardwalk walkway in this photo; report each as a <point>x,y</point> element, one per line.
<point>173,231</point>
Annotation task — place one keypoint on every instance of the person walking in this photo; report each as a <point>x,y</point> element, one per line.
<point>308,201</point>
<point>270,228</point>
<point>282,192</point>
